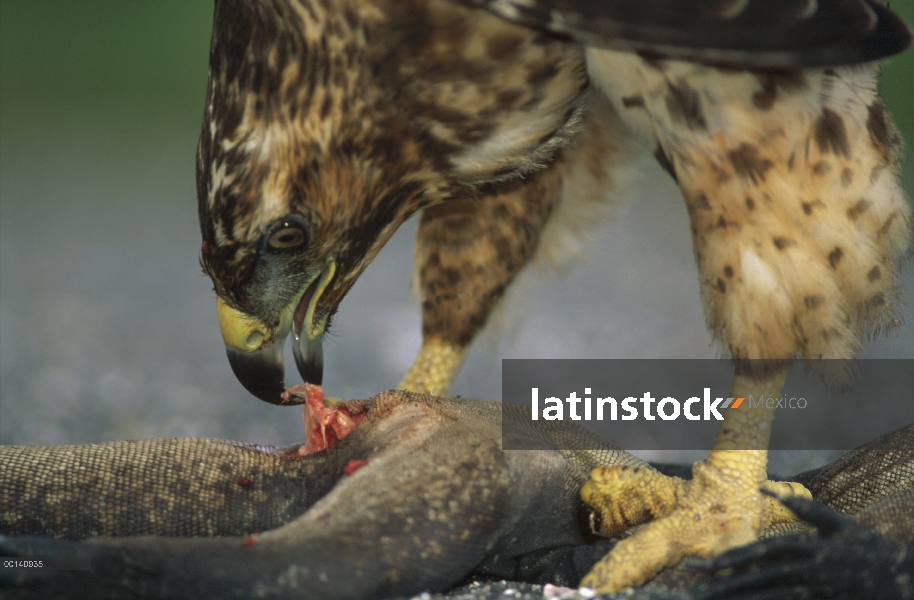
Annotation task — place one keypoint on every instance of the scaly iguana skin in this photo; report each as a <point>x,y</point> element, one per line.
<point>438,500</point>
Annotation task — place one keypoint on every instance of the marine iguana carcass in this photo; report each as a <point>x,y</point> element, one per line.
<point>419,497</point>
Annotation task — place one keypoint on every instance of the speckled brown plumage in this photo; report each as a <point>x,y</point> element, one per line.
<point>341,118</point>
<point>468,252</point>
<point>785,177</point>
<point>352,116</point>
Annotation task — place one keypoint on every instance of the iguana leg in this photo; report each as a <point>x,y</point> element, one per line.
<point>720,508</point>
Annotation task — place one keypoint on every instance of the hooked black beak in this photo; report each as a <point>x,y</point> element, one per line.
<point>255,350</point>
<point>262,372</point>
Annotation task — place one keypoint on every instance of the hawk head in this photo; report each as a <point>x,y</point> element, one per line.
<point>327,124</point>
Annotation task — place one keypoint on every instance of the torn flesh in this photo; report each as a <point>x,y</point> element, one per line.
<point>327,421</point>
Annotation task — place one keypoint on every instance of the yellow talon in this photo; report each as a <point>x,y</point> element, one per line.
<point>434,369</point>
<point>720,508</point>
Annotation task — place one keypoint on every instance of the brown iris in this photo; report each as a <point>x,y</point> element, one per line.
<point>286,238</point>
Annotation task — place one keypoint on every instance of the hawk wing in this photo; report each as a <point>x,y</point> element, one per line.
<point>743,33</point>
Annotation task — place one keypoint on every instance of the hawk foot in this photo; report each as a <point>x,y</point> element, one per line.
<point>706,516</point>
<point>434,368</point>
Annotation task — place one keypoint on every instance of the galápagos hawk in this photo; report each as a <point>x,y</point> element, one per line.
<point>328,123</point>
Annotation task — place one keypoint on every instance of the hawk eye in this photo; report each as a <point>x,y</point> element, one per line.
<point>287,237</point>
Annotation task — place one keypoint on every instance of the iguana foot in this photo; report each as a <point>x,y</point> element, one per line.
<point>720,508</point>
<point>434,369</point>
<point>842,559</point>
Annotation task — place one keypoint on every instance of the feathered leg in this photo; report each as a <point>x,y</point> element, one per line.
<point>467,253</point>
<point>798,227</point>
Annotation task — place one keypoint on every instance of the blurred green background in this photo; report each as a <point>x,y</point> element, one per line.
<point>107,327</point>
<point>898,89</point>
<point>109,60</point>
